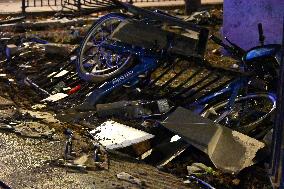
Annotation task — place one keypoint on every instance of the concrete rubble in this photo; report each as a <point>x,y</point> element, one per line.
<point>34,130</point>
<point>229,150</point>
<point>129,178</point>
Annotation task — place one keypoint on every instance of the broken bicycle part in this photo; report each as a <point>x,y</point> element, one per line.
<point>202,183</point>
<point>68,145</point>
<point>133,109</point>
<point>248,113</point>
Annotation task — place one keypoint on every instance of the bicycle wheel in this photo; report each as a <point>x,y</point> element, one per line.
<point>95,62</point>
<point>248,114</point>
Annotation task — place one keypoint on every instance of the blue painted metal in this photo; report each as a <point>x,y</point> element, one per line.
<point>38,40</point>
<point>131,75</point>
<point>202,183</point>
<point>234,86</point>
<point>262,52</point>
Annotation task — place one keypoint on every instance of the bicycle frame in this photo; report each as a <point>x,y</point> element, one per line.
<point>147,64</point>
<point>233,90</point>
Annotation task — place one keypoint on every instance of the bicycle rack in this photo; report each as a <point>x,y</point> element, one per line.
<point>180,86</point>
<point>88,5</point>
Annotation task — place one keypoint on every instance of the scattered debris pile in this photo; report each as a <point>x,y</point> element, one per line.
<point>159,124</point>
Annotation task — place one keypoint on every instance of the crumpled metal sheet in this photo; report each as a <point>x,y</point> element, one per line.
<point>229,150</point>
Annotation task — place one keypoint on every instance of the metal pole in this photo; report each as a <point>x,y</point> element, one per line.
<point>281,164</point>
<point>192,6</point>
<point>79,5</point>
<point>277,160</point>
<point>23,6</point>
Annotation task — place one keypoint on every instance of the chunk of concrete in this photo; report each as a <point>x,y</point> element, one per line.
<point>127,177</point>
<point>34,129</point>
<point>113,135</point>
<point>198,168</point>
<point>44,116</point>
<point>230,151</point>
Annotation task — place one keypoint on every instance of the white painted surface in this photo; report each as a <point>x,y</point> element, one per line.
<point>114,135</point>
<point>55,97</point>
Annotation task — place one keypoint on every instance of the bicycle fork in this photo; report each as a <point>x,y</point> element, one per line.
<point>131,75</point>
<point>236,86</point>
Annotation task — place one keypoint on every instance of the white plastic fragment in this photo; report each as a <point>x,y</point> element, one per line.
<point>114,135</point>
<point>55,97</point>
<point>175,138</point>
<point>62,73</point>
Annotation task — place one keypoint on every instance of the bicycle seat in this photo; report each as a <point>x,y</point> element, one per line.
<point>261,52</point>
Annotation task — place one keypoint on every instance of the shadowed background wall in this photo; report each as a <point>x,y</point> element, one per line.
<point>242,16</point>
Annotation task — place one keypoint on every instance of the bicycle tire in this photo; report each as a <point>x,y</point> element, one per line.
<point>89,76</point>
<point>248,128</point>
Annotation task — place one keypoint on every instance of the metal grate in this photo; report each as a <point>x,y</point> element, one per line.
<point>40,3</point>
<point>185,82</point>
<point>81,5</point>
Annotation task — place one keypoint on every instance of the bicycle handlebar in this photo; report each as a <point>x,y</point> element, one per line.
<point>233,49</point>
<point>261,35</point>
<point>220,42</point>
